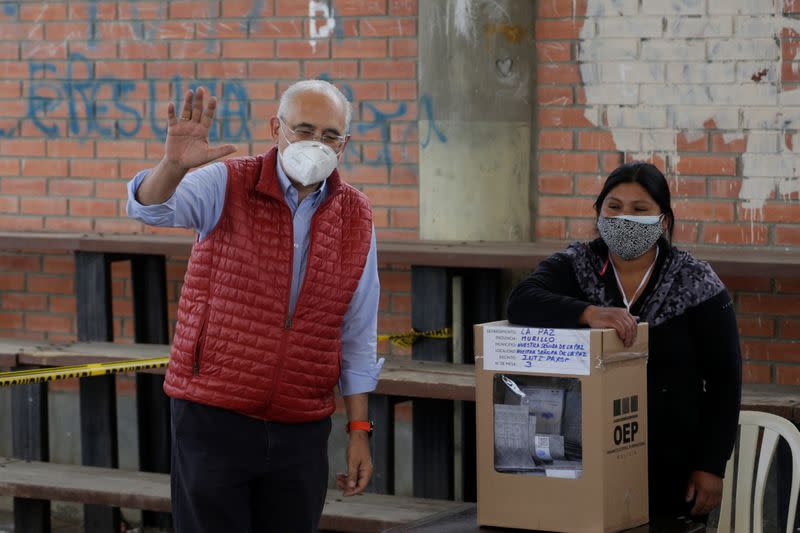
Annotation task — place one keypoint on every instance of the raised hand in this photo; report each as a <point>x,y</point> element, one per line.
<point>187,135</point>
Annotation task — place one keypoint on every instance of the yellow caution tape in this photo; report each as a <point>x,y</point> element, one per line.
<point>407,339</point>
<point>43,375</point>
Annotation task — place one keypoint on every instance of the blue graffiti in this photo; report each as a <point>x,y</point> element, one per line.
<point>426,106</point>
<point>6,133</point>
<point>10,10</point>
<point>88,115</point>
<point>380,121</point>
<point>93,24</point>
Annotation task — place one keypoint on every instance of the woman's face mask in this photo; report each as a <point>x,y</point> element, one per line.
<point>630,236</point>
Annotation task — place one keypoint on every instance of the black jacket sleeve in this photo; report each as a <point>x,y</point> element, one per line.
<point>716,335</point>
<point>549,297</point>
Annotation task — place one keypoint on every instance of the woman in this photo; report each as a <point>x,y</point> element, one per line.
<point>633,274</point>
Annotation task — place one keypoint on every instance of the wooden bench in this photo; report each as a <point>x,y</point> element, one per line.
<point>142,490</point>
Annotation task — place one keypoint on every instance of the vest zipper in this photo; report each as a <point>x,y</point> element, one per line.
<point>199,345</point>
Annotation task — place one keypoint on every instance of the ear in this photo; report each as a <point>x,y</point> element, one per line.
<point>274,128</point>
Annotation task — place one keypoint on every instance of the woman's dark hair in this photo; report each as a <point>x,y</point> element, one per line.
<point>649,177</point>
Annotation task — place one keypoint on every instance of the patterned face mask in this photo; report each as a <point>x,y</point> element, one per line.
<point>628,236</point>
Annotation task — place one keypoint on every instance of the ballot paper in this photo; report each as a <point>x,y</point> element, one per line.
<point>547,404</point>
<point>549,447</point>
<point>512,438</point>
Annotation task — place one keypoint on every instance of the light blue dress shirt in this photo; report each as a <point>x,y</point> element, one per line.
<point>197,204</point>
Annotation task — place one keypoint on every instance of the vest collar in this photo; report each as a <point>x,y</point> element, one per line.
<point>269,183</point>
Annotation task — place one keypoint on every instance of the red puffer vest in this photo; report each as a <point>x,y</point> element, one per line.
<point>235,345</point>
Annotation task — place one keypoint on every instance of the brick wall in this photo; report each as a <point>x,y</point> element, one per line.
<point>706,89</point>
<point>701,87</point>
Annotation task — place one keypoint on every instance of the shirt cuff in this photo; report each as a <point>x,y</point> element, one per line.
<point>360,380</point>
<point>149,214</point>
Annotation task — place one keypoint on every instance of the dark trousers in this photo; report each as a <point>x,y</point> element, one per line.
<point>233,473</point>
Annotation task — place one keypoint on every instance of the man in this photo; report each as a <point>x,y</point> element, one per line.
<point>279,303</point>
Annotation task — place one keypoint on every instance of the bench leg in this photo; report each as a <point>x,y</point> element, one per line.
<point>98,400</point>
<point>30,442</point>
<point>152,405</point>
<point>432,424</point>
<point>381,411</point>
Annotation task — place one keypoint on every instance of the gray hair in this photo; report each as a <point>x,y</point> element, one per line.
<point>319,86</point>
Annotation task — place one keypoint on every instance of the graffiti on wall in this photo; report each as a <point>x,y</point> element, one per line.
<point>658,70</point>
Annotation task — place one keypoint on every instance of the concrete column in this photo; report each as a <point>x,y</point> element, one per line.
<point>476,60</point>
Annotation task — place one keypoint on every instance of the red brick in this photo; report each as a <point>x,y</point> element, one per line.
<point>770,350</point>
<point>19,31</point>
<point>566,207</point>
<point>405,218</point>
<point>68,224</point>
<point>401,8</point>
<point>121,225</point>
<point>50,284</point>
<point>222,70</point>
<point>724,187</point>
<point>9,50</point>
<point>49,323</point>
<point>166,70</point>
<point>555,185</point>
<point>63,304</point>
<point>558,29</point>
<point>790,285</point>
<point>563,117</point>
<point>44,206</point>
<point>104,50</point>
<point>115,31</point>
<point>92,10</point>
<point>9,204</point>
<point>549,95</point>
<point>246,8</point>
<point>558,73</point>
<point>403,48</point>
<point>12,282</point>
<point>24,186</point>
<point>787,375</point>
<point>553,51</point>
<point>18,223</point>
<point>747,283</point>
<point>770,304</point>
<point>776,212</point>
<point>790,329</point>
<point>120,149</point>
<point>140,10</point>
<point>111,189</point>
<point>387,27</point>
<point>276,29</point>
<point>332,69</point>
<point>291,8</point>
<point>404,175</point>
<point>44,50</point>
<point>568,162</point>
<point>360,8</point>
<point>707,166</point>
<point>45,167</point>
<point>126,70</point>
<point>736,234</point>
<point>787,235</point>
<point>551,228</point>
<point>693,142</point>
<point>246,50</point>
<point>756,373</point>
<point>394,281</point>
<point>288,70</point>
<point>380,217</point>
<point>596,141</point>
<point>555,140</point>
<point>368,90</point>
<point>393,69</point>
<point>69,148</point>
<point>20,263</point>
<point>43,12</point>
<point>581,230</point>
<point>561,8</point>
<point>359,48</point>
<point>193,10</point>
<point>24,302</point>
<point>686,232</point>
<point>143,50</point>
<point>12,321</point>
<point>85,168</point>
<point>186,30</point>
<point>756,326</point>
<point>22,147</point>
<point>589,185</point>
<point>10,89</point>
<point>705,210</point>
<point>403,90</point>
<point>303,49</point>
<point>393,196</point>
<point>93,208</point>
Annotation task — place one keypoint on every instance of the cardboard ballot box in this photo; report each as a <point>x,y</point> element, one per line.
<point>562,427</point>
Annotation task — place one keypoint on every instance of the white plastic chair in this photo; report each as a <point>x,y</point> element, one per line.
<point>749,511</point>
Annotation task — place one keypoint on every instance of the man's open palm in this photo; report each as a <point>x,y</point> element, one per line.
<point>187,135</point>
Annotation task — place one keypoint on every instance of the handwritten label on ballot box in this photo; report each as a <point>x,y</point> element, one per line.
<point>536,350</point>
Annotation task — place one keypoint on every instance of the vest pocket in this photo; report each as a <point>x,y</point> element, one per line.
<point>199,345</point>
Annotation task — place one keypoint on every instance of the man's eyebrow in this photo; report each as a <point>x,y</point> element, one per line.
<point>314,127</point>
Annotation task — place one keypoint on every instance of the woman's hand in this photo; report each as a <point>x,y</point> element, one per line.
<point>706,491</point>
<point>611,317</point>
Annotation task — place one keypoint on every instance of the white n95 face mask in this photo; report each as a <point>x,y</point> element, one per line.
<point>308,162</point>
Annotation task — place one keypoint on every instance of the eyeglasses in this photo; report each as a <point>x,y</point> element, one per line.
<point>304,133</point>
